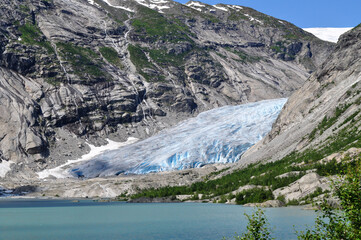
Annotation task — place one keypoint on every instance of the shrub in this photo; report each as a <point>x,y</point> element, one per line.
<point>255,195</point>
<point>336,223</point>
<point>257,228</point>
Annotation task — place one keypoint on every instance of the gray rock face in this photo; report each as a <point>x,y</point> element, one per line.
<point>303,187</point>
<point>71,70</point>
<point>267,204</point>
<point>331,95</point>
<point>19,122</point>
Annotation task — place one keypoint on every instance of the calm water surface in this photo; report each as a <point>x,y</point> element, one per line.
<point>46,219</point>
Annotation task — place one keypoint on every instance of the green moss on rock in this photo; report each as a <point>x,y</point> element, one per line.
<point>32,35</point>
<point>85,62</point>
<point>111,56</point>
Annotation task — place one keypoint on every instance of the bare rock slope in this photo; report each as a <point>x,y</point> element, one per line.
<point>72,71</point>
<point>323,116</point>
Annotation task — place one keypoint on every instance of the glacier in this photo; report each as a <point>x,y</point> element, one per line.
<point>328,34</point>
<point>220,135</point>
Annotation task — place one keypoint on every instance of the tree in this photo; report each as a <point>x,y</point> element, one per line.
<point>257,228</point>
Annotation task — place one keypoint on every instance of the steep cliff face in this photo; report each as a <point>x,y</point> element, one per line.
<point>77,70</point>
<point>324,115</point>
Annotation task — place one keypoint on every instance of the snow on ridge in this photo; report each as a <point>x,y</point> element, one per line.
<point>220,135</point>
<point>221,8</point>
<point>120,7</point>
<point>253,19</point>
<point>327,34</point>
<point>235,7</point>
<point>195,4</point>
<point>154,4</point>
<point>91,2</point>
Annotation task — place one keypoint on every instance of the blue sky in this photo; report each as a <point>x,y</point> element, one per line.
<point>305,13</point>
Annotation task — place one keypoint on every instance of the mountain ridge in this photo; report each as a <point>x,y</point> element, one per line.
<point>321,109</point>
<point>119,74</point>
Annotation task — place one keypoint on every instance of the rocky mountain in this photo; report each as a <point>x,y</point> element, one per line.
<point>323,117</point>
<point>76,71</point>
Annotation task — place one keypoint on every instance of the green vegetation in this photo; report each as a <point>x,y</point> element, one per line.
<point>279,47</point>
<point>111,56</point>
<point>257,228</point>
<point>138,57</point>
<point>217,173</point>
<point>345,223</point>
<point>117,14</point>
<point>255,195</point>
<point>291,36</point>
<point>32,35</point>
<point>164,58</point>
<point>244,57</point>
<point>265,174</point>
<point>152,26</point>
<point>140,60</point>
<point>24,8</point>
<point>356,27</point>
<point>236,16</point>
<point>326,123</point>
<point>85,62</point>
<point>256,174</point>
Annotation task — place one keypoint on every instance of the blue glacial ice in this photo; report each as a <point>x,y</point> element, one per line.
<point>220,135</point>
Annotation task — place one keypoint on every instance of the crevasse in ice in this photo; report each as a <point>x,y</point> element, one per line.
<point>220,135</point>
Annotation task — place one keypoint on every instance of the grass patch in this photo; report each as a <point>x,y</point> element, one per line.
<point>32,35</point>
<point>140,60</point>
<point>85,62</point>
<point>166,59</point>
<point>326,122</point>
<point>111,56</point>
<point>244,57</point>
<point>151,26</point>
<point>279,47</point>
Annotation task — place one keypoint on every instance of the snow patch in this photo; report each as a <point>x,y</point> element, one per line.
<point>60,171</point>
<point>235,7</point>
<point>119,7</point>
<point>154,4</point>
<point>195,4</point>
<point>327,34</point>
<point>5,167</point>
<point>220,8</point>
<point>253,19</point>
<point>239,7</point>
<point>220,135</point>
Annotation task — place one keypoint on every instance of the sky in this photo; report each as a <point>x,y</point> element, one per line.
<point>304,13</point>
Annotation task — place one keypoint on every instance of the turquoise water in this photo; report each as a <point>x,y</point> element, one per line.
<point>44,219</point>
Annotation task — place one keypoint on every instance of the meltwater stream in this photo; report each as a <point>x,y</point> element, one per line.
<point>220,135</point>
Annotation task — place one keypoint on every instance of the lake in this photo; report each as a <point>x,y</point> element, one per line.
<point>62,219</point>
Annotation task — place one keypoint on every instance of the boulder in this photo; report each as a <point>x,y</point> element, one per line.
<point>267,204</point>
<point>303,187</point>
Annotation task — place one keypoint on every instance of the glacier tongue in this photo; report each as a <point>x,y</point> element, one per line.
<point>220,135</point>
